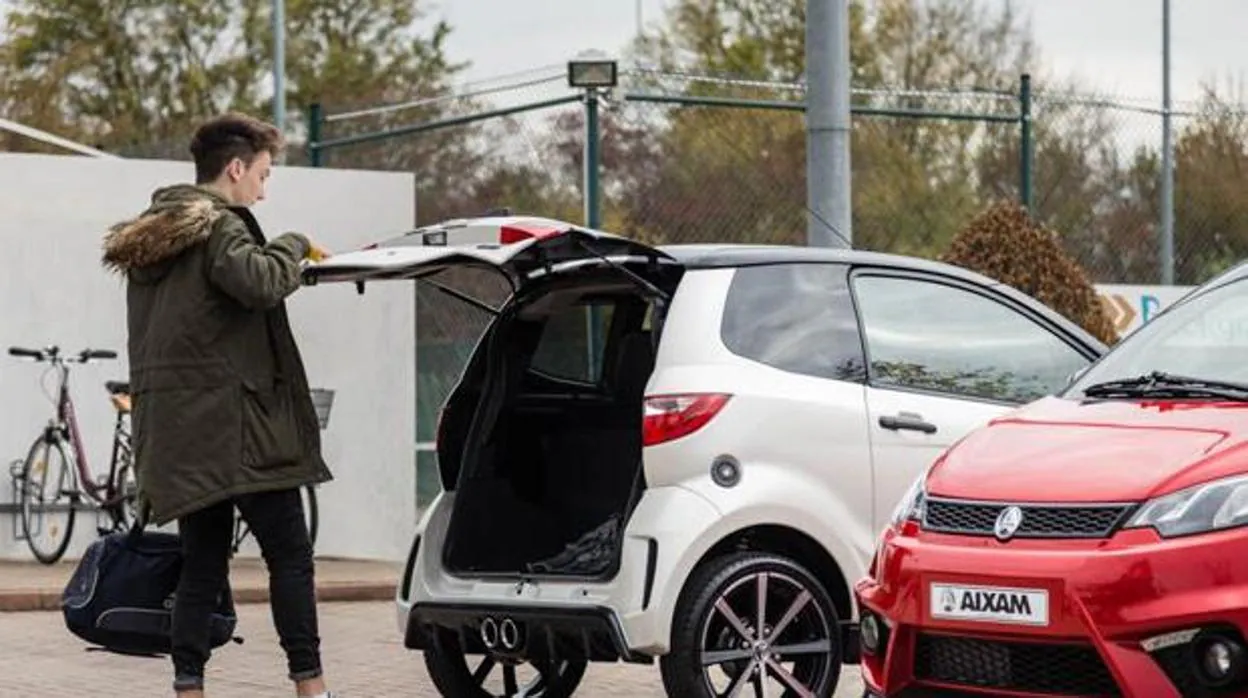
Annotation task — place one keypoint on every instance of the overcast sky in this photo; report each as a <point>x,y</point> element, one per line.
<point>1114,45</point>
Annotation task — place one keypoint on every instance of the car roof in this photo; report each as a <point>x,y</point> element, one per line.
<point>729,255</point>
<point>714,255</point>
<point>718,256</point>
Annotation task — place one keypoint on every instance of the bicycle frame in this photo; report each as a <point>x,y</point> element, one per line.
<point>65,426</point>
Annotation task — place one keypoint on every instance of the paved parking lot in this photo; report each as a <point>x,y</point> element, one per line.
<point>363,654</point>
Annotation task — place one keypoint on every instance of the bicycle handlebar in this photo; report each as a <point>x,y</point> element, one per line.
<point>32,353</point>
<point>53,353</point>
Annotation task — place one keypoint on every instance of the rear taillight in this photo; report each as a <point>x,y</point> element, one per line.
<point>669,417</point>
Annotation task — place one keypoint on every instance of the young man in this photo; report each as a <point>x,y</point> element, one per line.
<point>222,415</point>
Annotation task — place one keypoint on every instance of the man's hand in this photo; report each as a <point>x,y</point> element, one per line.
<point>316,253</point>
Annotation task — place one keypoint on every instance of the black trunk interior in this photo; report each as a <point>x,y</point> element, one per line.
<point>552,467</point>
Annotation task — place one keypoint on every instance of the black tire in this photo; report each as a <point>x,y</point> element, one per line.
<point>448,667</point>
<point>126,511</point>
<point>701,626</point>
<point>34,514</point>
<point>124,490</point>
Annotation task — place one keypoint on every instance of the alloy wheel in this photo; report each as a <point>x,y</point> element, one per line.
<point>766,631</point>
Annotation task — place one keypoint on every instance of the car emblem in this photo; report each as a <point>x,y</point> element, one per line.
<point>1007,523</point>
<point>948,601</point>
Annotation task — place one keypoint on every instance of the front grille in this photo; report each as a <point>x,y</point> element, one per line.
<point>1068,670</point>
<point>1039,520</point>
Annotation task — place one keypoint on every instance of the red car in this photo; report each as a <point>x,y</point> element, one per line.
<point>1088,544</point>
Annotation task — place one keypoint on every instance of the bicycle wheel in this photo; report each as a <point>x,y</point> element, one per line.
<point>48,500</point>
<point>311,517</point>
<point>310,513</point>
<point>128,508</point>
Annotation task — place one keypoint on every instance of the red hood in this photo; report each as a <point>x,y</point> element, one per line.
<point>1059,450</point>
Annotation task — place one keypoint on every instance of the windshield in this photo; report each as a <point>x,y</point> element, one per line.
<point>1205,339</point>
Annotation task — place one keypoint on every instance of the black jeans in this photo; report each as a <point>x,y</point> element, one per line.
<point>276,519</point>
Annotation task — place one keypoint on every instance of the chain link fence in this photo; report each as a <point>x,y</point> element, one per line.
<point>687,158</point>
<point>449,330</point>
<point>727,162</point>
<point>1098,171</point>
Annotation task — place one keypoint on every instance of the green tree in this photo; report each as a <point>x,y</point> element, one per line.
<point>1112,223</point>
<point>1120,244</point>
<point>124,72</point>
<point>1211,178</point>
<point>740,174</point>
<point>356,57</point>
<point>136,75</point>
<point>1076,170</point>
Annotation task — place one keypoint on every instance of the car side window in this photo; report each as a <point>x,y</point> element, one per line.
<point>573,343</point>
<point>795,317</point>
<point>937,337</point>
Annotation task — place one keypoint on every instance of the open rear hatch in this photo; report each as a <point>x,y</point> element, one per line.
<point>523,248</point>
<point>541,440</point>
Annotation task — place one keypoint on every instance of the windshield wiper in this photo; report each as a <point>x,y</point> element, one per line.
<point>1160,384</point>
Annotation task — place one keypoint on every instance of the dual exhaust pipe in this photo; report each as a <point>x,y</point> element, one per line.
<point>500,635</point>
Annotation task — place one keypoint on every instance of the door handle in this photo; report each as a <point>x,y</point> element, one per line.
<point>907,421</point>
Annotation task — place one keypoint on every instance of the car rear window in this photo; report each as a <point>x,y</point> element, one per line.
<point>795,317</point>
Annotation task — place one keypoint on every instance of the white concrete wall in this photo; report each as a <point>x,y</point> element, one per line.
<point>53,212</point>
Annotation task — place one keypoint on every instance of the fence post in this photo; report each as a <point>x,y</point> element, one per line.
<point>1025,152</point>
<point>593,210</point>
<point>314,134</point>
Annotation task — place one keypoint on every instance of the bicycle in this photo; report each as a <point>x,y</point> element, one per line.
<point>310,515</point>
<point>115,495</point>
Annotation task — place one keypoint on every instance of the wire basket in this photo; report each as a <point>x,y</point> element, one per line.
<point>323,401</point>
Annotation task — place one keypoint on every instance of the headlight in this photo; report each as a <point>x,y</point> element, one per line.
<point>1210,506</point>
<point>911,504</point>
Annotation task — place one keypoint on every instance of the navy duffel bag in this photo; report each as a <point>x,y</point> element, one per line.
<point>120,597</point>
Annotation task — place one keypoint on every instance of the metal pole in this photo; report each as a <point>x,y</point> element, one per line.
<point>412,129</point>
<point>593,219</point>
<point>792,105</point>
<point>279,64</point>
<point>315,119</point>
<point>593,211</point>
<point>828,195</point>
<point>1167,155</point>
<point>1025,145</point>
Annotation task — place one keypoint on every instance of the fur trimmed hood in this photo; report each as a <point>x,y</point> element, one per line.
<point>180,216</point>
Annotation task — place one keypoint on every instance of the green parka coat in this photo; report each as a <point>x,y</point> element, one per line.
<point>221,404</point>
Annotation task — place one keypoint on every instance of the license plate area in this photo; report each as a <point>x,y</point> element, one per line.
<point>988,604</point>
